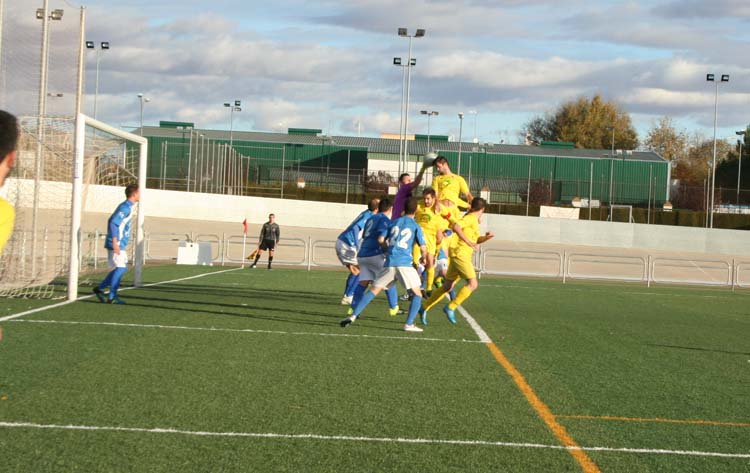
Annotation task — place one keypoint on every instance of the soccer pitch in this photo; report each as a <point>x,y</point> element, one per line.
<point>216,369</point>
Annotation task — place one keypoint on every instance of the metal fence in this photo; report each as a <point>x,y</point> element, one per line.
<point>606,264</point>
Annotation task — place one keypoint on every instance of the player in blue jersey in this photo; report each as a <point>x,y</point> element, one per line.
<point>371,257</point>
<point>118,236</point>
<point>403,233</point>
<point>347,246</point>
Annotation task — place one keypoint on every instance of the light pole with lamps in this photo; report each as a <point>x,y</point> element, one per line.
<point>403,32</point>
<point>142,100</point>
<point>611,165</point>
<point>742,134</point>
<point>460,130</point>
<point>712,78</point>
<point>430,114</point>
<point>45,15</point>
<point>104,47</point>
<point>401,136</point>
<point>232,108</point>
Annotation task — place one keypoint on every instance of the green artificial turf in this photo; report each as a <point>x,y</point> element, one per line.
<point>274,362</point>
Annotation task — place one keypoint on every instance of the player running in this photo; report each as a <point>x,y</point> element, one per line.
<point>449,186</point>
<point>347,247</point>
<point>461,265</point>
<point>371,257</point>
<point>402,234</point>
<point>268,239</point>
<point>118,236</point>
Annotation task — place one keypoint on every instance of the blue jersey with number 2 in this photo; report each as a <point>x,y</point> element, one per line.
<point>375,228</point>
<point>403,233</point>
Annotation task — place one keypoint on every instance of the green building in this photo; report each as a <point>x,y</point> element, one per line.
<point>182,157</point>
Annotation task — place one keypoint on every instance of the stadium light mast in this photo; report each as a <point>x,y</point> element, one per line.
<point>232,108</point>
<point>404,33</point>
<point>742,134</point>
<point>397,62</point>
<point>104,46</point>
<point>142,100</point>
<point>460,131</point>
<point>475,113</point>
<point>712,78</point>
<point>611,164</point>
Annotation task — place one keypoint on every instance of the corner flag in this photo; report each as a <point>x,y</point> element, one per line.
<point>244,226</point>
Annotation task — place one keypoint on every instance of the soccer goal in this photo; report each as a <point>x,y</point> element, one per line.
<point>614,207</point>
<point>69,175</point>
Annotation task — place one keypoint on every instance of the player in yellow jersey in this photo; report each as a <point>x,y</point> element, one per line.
<point>8,144</point>
<point>461,265</point>
<point>450,186</point>
<point>430,222</point>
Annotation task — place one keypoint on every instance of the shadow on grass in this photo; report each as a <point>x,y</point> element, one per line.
<point>712,350</point>
<point>278,313</point>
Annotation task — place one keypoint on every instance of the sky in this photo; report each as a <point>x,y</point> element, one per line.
<point>328,64</point>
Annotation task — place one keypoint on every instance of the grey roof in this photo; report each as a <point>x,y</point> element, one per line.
<point>384,145</point>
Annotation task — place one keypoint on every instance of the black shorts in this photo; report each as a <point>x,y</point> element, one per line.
<point>268,245</point>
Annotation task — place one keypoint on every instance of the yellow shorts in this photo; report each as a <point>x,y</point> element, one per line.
<point>432,249</point>
<point>459,268</point>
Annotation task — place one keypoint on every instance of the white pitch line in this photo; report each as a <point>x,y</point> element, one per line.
<point>245,330</point>
<point>347,438</point>
<point>60,304</point>
<point>483,337</point>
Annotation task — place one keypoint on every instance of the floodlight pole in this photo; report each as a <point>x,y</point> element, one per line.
<point>712,78</point>
<point>142,100</point>
<point>419,33</point>
<point>739,168</point>
<point>460,130</point>
<point>611,166</point>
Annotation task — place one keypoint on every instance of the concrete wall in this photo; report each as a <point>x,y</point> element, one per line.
<point>618,235</point>
<point>322,215</point>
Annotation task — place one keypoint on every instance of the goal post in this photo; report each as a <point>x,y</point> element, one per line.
<point>83,124</point>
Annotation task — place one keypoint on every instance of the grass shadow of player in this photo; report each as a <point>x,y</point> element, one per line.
<point>712,350</point>
<point>248,292</point>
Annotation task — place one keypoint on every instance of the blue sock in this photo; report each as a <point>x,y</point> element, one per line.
<point>452,294</point>
<point>107,280</point>
<point>358,293</point>
<point>117,275</point>
<point>367,297</point>
<point>392,295</point>
<point>416,304</point>
<point>351,285</point>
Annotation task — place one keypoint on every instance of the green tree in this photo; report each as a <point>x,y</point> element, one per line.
<point>586,122</point>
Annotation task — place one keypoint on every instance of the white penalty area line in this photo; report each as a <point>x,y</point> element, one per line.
<point>347,438</point>
<point>246,330</point>
<point>60,304</point>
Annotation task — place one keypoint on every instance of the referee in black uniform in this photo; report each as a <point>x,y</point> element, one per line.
<point>269,237</point>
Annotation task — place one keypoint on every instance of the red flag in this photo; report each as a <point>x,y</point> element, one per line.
<point>244,226</point>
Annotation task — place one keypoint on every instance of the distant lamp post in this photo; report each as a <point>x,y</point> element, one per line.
<point>143,101</point>
<point>104,47</point>
<point>404,33</point>
<point>712,78</point>
<point>460,130</point>
<point>430,114</point>
<point>474,112</point>
<point>742,134</point>
<point>232,108</point>
<point>611,165</point>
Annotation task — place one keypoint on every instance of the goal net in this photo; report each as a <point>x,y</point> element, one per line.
<point>69,176</point>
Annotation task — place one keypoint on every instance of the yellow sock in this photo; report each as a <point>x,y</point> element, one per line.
<point>436,296</point>
<point>430,278</point>
<point>462,295</point>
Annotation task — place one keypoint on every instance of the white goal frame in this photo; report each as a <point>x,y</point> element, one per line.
<point>629,208</point>
<point>77,201</point>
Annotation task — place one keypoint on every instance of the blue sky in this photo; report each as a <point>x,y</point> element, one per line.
<point>328,64</point>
